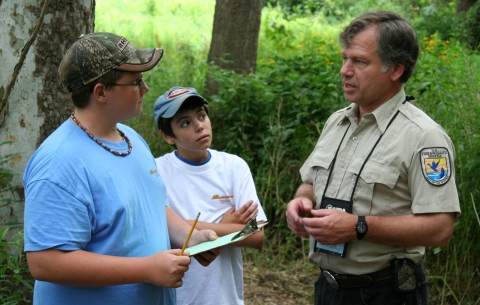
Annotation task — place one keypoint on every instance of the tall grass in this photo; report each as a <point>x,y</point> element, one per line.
<point>273,118</point>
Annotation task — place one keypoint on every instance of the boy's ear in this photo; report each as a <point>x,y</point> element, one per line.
<point>167,139</point>
<point>99,92</point>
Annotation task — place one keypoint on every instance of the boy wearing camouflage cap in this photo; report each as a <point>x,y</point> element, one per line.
<point>95,229</point>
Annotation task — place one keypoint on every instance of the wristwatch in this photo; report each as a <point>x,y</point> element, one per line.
<point>361,227</point>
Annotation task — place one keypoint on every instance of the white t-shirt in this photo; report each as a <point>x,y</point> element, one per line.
<point>212,189</point>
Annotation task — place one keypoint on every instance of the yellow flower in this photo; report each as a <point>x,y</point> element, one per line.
<point>433,35</point>
<point>455,55</point>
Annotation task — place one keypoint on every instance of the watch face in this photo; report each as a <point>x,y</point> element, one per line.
<point>361,227</point>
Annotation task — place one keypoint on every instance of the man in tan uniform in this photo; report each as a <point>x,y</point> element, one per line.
<point>380,183</point>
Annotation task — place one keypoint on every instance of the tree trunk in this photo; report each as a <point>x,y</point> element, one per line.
<point>38,103</point>
<point>464,5</point>
<point>235,33</point>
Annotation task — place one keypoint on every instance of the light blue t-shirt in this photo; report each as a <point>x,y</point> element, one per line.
<point>80,196</point>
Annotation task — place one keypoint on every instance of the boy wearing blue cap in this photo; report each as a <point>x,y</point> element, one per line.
<point>97,221</point>
<point>217,184</point>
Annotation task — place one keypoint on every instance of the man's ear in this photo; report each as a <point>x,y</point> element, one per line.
<point>397,71</point>
<point>99,92</point>
<point>167,138</point>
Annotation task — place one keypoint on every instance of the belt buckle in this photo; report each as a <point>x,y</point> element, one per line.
<point>330,278</point>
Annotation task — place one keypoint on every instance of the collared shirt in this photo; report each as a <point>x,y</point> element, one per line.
<point>393,182</point>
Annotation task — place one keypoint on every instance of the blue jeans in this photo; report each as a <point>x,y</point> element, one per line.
<point>377,293</point>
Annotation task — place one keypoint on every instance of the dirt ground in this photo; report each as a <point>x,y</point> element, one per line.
<point>291,285</point>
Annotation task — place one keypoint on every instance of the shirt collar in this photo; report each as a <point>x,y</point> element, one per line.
<point>382,114</point>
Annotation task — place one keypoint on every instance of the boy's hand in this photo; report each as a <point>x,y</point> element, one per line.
<point>204,258</point>
<point>241,216</point>
<point>199,236</point>
<point>167,268</point>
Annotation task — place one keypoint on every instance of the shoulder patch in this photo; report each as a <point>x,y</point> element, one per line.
<point>436,167</point>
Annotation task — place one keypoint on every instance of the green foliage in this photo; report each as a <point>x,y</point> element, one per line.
<point>7,193</point>
<point>16,283</point>
<point>447,86</point>
<point>471,25</point>
<point>182,29</point>
<point>273,118</point>
<point>334,11</point>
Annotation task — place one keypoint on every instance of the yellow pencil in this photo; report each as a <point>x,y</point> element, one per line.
<point>189,234</point>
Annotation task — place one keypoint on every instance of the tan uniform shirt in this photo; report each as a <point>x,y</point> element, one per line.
<point>410,171</point>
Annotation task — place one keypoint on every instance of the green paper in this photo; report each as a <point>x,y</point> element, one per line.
<point>219,242</point>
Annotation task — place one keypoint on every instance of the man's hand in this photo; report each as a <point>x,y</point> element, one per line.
<point>241,216</point>
<point>330,226</point>
<point>297,210</point>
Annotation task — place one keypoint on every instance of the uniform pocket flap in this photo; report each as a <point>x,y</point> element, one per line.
<point>375,172</point>
<point>321,159</point>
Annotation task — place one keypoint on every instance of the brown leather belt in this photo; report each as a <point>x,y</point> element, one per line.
<point>353,281</point>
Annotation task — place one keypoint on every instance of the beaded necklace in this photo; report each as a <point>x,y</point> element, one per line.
<point>117,153</point>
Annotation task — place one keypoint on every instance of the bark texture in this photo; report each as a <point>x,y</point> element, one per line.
<point>235,33</point>
<point>38,103</point>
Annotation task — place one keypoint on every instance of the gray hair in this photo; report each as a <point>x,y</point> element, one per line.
<point>397,41</point>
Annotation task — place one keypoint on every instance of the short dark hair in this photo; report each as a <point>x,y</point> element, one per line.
<point>397,41</point>
<point>81,96</point>
<point>190,103</point>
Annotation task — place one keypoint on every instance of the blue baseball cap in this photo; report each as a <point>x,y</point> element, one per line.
<point>168,103</point>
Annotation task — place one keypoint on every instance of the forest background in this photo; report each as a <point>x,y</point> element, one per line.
<point>273,117</point>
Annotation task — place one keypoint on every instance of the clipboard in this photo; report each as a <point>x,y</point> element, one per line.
<point>250,228</point>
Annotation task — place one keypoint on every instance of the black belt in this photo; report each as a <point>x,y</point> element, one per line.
<point>353,281</point>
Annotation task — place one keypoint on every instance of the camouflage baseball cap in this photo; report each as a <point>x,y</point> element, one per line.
<point>94,55</point>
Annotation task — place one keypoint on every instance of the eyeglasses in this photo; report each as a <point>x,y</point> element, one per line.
<point>138,83</point>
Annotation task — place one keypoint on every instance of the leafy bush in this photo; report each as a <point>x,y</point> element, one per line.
<point>446,84</point>
<point>15,280</point>
<point>16,283</point>
<point>7,193</point>
<point>273,118</point>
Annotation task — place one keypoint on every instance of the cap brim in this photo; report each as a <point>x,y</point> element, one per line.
<point>142,60</point>
<point>177,103</point>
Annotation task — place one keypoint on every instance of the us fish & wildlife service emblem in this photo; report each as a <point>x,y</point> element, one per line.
<point>436,166</point>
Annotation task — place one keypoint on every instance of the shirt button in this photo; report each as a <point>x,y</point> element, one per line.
<point>354,138</point>
<point>343,165</point>
<point>333,193</point>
